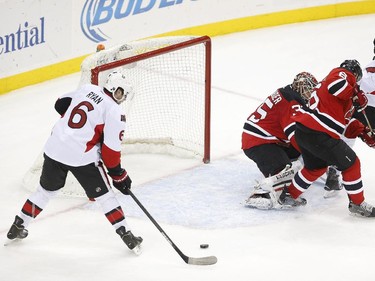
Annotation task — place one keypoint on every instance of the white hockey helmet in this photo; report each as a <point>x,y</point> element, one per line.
<point>304,84</point>
<point>116,80</point>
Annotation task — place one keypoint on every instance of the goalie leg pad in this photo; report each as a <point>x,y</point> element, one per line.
<point>266,193</point>
<point>260,201</point>
<point>284,177</point>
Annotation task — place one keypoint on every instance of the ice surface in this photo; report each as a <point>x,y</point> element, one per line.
<point>193,202</point>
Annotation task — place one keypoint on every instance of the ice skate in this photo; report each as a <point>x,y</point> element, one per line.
<point>17,231</point>
<point>364,209</point>
<point>133,242</point>
<point>287,200</point>
<point>332,185</point>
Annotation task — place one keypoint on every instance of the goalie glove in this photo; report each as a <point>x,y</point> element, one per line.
<point>360,100</point>
<point>368,137</point>
<point>120,179</point>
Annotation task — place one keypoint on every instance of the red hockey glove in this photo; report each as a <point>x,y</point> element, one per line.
<point>120,180</point>
<point>359,100</point>
<point>353,129</point>
<point>368,137</point>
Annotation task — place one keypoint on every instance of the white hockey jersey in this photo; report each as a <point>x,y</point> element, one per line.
<point>93,123</point>
<point>367,82</point>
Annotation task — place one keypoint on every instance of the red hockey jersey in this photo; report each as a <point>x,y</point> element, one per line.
<point>331,104</point>
<point>271,122</point>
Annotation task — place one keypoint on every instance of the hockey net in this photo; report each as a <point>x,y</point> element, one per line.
<point>169,112</point>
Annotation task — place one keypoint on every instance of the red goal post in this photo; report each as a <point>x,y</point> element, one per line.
<point>130,64</point>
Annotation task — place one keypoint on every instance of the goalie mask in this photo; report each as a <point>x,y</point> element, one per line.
<point>354,67</point>
<point>116,84</point>
<point>304,84</point>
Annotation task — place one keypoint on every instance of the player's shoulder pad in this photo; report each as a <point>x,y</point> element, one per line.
<point>289,94</point>
<point>116,111</point>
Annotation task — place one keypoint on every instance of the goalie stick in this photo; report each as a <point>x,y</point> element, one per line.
<point>189,260</point>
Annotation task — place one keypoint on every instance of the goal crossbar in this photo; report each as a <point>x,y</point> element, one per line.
<point>153,53</point>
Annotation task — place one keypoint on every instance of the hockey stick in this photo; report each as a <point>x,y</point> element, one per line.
<point>367,121</point>
<point>189,260</point>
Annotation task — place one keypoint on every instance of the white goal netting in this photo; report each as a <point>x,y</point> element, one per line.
<point>168,112</point>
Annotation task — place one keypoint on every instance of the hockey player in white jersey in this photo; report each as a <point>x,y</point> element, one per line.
<point>84,141</point>
<point>367,85</point>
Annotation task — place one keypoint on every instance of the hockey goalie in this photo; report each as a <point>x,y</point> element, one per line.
<point>268,140</point>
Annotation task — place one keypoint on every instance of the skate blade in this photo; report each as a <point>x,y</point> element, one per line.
<point>279,206</point>
<point>8,242</point>
<point>137,250</point>
<point>356,215</point>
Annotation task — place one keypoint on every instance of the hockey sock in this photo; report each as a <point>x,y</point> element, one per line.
<point>112,210</point>
<point>351,179</point>
<point>35,204</point>
<point>303,179</point>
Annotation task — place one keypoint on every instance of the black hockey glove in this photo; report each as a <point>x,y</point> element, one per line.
<point>120,179</point>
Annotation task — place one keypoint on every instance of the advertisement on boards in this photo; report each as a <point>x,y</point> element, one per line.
<point>34,34</point>
<point>38,33</point>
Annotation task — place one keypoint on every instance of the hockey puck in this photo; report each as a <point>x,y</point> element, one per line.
<point>204,246</point>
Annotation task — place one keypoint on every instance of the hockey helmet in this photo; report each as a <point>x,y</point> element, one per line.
<point>116,80</point>
<point>354,67</point>
<point>304,84</point>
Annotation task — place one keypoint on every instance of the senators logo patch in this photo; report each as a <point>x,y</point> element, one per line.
<point>123,118</point>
